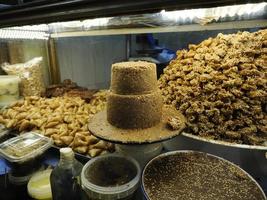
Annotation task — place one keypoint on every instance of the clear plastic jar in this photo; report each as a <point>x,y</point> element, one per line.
<point>111,177</point>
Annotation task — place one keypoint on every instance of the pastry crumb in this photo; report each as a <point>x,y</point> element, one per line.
<point>174,123</point>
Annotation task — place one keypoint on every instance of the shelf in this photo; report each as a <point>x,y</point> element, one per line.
<point>182,28</point>
<point>46,11</point>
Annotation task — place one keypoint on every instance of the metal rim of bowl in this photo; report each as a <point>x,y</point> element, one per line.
<point>121,188</point>
<point>190,151</point>
<point>223,143</point>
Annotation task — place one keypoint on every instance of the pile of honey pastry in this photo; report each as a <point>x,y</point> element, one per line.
<point>220,85</point>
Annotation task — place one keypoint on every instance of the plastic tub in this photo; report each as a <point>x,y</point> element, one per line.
<point>39,185</point>
<point>197,175</point>
<point>111,177</point>
<point>23,153</point>
<point>142,153</point>
<point>9,89</point>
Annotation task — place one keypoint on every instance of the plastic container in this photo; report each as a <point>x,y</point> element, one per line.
<point>39,185</point>
<point>9,89</point>
<point>142,153</point>
<point>111,177</point>
<point>23,152</point>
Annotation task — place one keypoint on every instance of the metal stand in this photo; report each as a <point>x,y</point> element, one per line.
<point>141,152</point>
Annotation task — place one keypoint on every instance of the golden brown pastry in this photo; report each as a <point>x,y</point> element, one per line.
<point>220,85</point>
<point>64,119</point>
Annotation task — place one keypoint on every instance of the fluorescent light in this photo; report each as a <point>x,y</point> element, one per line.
<point>23,34</point>
<point>216,13</point>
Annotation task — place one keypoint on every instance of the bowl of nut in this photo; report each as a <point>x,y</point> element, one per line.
<point>196,175</point>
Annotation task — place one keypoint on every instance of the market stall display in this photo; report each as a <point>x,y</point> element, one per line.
<point>210,102</point>
<point>64,119</point>
<point>220,85</point>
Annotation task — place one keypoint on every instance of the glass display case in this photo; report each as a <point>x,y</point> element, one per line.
<point>210,57</point>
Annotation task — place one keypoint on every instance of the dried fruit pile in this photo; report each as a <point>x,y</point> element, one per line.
<point>69,88</point>
<point>220,85</point>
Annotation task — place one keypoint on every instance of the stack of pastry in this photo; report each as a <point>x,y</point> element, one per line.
<point>135,112</point>
<point>134,100</point>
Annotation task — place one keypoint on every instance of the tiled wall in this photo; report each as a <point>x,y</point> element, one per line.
<point>87,60</point>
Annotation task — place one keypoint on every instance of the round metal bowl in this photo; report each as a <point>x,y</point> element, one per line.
<point>248,157</point>
<point>197,175</point>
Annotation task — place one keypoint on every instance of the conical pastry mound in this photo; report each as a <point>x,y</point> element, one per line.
<point>134,101</point>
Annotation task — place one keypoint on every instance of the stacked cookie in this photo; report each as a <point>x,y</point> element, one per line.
<point>135,113</point>
<point>135,101</point>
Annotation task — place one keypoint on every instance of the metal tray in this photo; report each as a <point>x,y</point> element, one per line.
<point>224,143</point>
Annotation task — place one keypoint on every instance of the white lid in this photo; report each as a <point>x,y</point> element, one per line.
<point>66,153</point>
<point>110,192</point>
